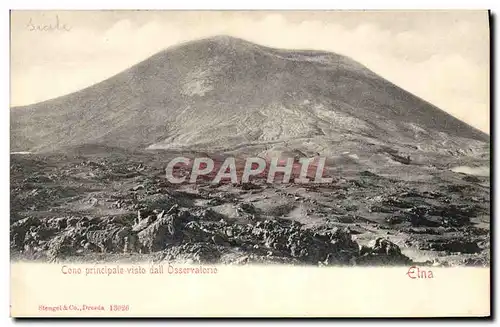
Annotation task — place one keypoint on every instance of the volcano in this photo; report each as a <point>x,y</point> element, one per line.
<point>224,93</point>
<point>406,183</point>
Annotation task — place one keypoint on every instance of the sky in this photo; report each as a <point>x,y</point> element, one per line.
<point>440,56</point>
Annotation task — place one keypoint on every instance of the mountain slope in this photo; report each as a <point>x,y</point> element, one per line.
<point>224,92</point>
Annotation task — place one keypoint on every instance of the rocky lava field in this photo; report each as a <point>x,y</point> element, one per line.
<point>121,208</point>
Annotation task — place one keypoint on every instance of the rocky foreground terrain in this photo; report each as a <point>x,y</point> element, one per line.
<point>108,208</point>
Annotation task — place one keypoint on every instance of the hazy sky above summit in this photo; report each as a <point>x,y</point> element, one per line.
<point>443,57</point>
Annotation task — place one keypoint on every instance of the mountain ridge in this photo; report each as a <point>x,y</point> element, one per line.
<point>228,91</point>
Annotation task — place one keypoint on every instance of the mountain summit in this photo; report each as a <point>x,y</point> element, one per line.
<point>226,93</point>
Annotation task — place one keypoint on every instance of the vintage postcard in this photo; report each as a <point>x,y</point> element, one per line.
<point>250,163</point>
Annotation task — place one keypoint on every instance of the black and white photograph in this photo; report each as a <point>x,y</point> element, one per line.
<point>207,139</point>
